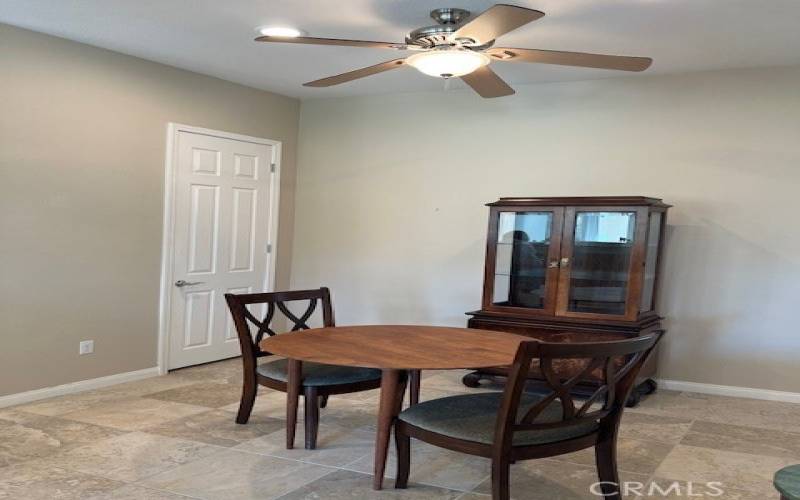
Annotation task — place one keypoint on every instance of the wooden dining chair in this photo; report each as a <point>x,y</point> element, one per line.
<point>318,380</point>
<point>516,425</point>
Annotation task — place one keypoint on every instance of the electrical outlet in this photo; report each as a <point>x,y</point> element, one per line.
<point>86,347</point>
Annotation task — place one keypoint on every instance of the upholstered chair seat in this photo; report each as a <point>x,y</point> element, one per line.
<point>472,417</point>
<point>317,374</point>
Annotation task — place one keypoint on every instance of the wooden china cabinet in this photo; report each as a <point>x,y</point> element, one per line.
<point>573,269</point>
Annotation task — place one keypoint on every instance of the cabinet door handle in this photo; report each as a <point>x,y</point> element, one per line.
<point>552,264</point>
<point>565,262</point>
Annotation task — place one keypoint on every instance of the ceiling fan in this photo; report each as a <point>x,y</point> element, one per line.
<point>461,46</point>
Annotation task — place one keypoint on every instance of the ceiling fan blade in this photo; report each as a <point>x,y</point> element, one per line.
<point>331,41</point>
<point>356,74</point>
<point>602,61</point>
<point>485,82</point>
<point>496,21</point>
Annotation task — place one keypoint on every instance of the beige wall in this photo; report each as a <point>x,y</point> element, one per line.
<point>391,190</point>
<point>82,143</point>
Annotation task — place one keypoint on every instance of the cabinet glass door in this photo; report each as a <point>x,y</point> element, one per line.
<point>651,261</point>
<point>522,254</point>
<point>596,272</point>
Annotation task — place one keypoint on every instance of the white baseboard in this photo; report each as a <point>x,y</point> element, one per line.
<point>71,388</point>
<point>730,390</point>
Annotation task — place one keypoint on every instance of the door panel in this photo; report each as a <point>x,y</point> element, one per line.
<point>222,215</point>
<point>601,255</point>
<point>522,275</point>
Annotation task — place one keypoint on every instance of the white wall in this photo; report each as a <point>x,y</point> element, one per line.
<point>390,196</point>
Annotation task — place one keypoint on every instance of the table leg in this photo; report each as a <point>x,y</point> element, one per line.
<point>294,377</point>
<point>414,377</point>
<point>393,385</point>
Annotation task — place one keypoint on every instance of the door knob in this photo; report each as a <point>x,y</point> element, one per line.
<point>552,264</point>
<point>564,261</point>
<point>181,283</point>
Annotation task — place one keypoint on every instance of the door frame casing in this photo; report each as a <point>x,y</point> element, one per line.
<point>168,229</point>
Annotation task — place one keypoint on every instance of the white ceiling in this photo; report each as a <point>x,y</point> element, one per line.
<point>215,37</point>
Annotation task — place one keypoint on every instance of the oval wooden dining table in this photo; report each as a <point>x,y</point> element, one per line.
<point>394,350</point>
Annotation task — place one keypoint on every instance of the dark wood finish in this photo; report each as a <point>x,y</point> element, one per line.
<point>294,377</point>
<point>604,406</point>
<point>560,201</point>
<point>392,390</point>
<point>414,381</point>
<point>311,415</point>
<point>243,310</point>
<point>401,347</point>
<point>396,350</point>
<point>555,322</point>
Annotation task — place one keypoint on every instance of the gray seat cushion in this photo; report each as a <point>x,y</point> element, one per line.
<point>317,374</point>
<point>472,417</point>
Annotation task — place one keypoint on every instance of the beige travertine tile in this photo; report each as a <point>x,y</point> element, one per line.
<point>133,414</point>
<point>80,401</point>
<point>673,403</point>
<point>736,411</point>
<point>432,466</point>
<point>669,489</point>
<point>347,413</point>
<point>135,492</point>
<point>450,381</point>
<point>40,481</point>
<point>132,456</point>
<point>347,485</point>
<point>227,371</point>
<point>208,394</point>
<point>633,455</point>
<point>219,428</point>
<point>73,402</point>
<point>739,471</point>
<point>659,428</point>
<point>26,436</point>
<point>269,403</point>
<point>146,386</point>
<point>237,475</point>
<point>552,480</point>
<point>336,446</point>
<point>352,413</point>
<point>743,439</point>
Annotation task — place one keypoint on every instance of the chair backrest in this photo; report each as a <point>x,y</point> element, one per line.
<point>242,305</point>
<point>619,360</point>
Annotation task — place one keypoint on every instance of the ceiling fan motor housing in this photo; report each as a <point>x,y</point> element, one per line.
<point>449,20</point>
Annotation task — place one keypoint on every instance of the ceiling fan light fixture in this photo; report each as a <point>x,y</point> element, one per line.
<point>279,31</point>
<point>448,63</point>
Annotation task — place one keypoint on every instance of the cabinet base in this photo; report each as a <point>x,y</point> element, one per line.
<point>643,388</point>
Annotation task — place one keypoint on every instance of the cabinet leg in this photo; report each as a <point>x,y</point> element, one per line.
<point>472,379</point>
<point>649,386</point>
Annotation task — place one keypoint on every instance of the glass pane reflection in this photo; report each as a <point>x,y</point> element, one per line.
<point>601,262</point>
<point>523,243</point>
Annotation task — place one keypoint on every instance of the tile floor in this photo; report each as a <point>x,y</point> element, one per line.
<point>174,437</point>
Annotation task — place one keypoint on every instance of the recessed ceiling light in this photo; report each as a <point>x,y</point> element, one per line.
<point>281,31</point>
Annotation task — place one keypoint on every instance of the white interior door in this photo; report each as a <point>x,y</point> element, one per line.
<point>220,240</point>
